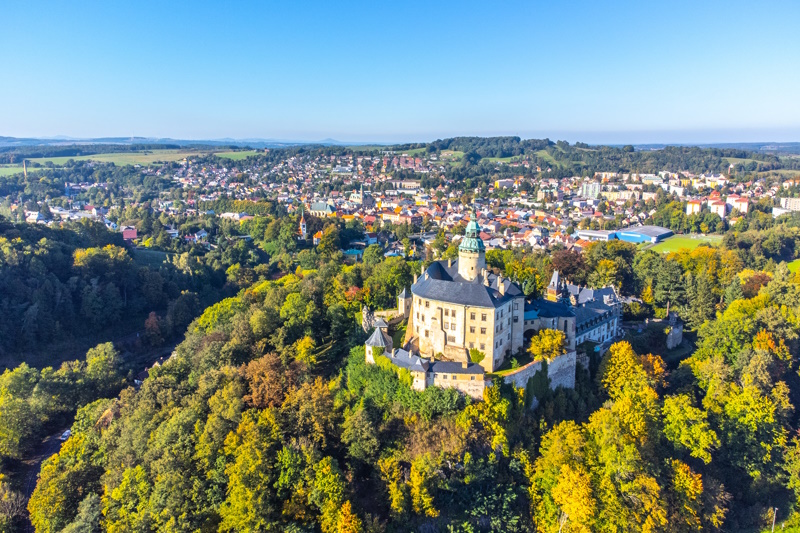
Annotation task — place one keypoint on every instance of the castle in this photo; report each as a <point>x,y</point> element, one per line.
<point>458,307</point>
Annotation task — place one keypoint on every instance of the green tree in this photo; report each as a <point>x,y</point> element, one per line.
<point>733,292</point>
<point>360,436</point>
<point>687,428</point>
<point>329,243</point>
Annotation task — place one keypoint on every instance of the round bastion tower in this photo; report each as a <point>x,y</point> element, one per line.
<point>471,252</point>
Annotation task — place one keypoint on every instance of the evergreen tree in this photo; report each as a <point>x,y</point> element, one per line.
<point>733,292</point>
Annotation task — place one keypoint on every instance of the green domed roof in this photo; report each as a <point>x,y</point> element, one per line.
<point>472,241</point>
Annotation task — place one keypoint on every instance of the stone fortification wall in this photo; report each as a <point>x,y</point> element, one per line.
<point>561,371</point>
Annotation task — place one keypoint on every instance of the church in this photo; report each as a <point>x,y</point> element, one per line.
<point>457,306</point>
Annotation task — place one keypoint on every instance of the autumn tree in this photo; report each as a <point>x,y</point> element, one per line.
<point>547,344</point>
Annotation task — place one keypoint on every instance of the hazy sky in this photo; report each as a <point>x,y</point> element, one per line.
<point>643,71</point>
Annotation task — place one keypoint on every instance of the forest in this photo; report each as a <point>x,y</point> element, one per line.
<point>66,284</point>
<point>268,419</point>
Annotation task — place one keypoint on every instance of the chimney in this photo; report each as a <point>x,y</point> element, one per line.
<point>486,278</point>
<point>464,364</point>
<point>415,278</point>
<point>501,286</point>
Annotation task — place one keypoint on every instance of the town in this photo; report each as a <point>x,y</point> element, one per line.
<point>393,188</point>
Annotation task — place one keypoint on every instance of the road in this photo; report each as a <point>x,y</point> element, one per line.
<point>32,465</point>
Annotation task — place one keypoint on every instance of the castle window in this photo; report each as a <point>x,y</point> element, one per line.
<point>472,329</point>
<point>446,312</point>
<point>483,317</point>
<point>483,346</point>
<point>516,306</point>
<point>451,338</point>
<point>472,316</point>
<point>483,331</point>
<point>427,333</point>
<point>472,378</point>
<point>427,303</point>
<point>516,319</point>
<point>471,345</point>
<point>509,336</point>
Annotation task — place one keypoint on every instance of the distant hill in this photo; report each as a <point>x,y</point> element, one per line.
<point>12,142</point>
<point>760,147</point>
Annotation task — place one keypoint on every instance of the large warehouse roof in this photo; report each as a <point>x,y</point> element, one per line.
<point>649,231</point>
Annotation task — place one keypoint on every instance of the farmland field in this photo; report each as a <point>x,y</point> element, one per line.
<point>677,242</point>
<point>122,158</point>
<point>8,170</point>
<point>238,156</point>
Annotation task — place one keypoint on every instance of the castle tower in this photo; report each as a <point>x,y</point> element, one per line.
<point>554,289</point>
<point>379,343</point>
<point>404,303</point>
<point>471,252</point>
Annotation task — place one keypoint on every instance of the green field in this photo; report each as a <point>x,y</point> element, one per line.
<point>412,153</point>
<point>691,242</point>
<point>794,265</point>
<point>238,156</point>
<point>147,157</point>
<point>546,156</point>
<point>737,160</point>
<point>150,258</point>
<point>8,170</point>
<point>122,158</point>
<point>502,159</point>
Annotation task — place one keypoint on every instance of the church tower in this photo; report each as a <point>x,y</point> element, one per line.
<point>471,252</point>
<point>303,228</point>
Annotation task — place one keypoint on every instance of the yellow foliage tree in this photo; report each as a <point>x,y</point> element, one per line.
<point>423,479</point>
<point>348,520</point>
<point>573,495</point>
<point>547,344</point>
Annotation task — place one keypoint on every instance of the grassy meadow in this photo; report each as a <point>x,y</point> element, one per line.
<point>676,242</point>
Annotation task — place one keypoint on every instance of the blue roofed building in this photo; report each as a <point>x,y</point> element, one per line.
<point>637,234</point>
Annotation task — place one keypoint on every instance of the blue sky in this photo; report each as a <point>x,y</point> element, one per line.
<point>698,71</point>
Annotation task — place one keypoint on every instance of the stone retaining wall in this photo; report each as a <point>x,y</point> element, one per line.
<point>561,371</point>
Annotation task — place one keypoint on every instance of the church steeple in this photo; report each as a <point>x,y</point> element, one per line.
<point>303,228</point>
